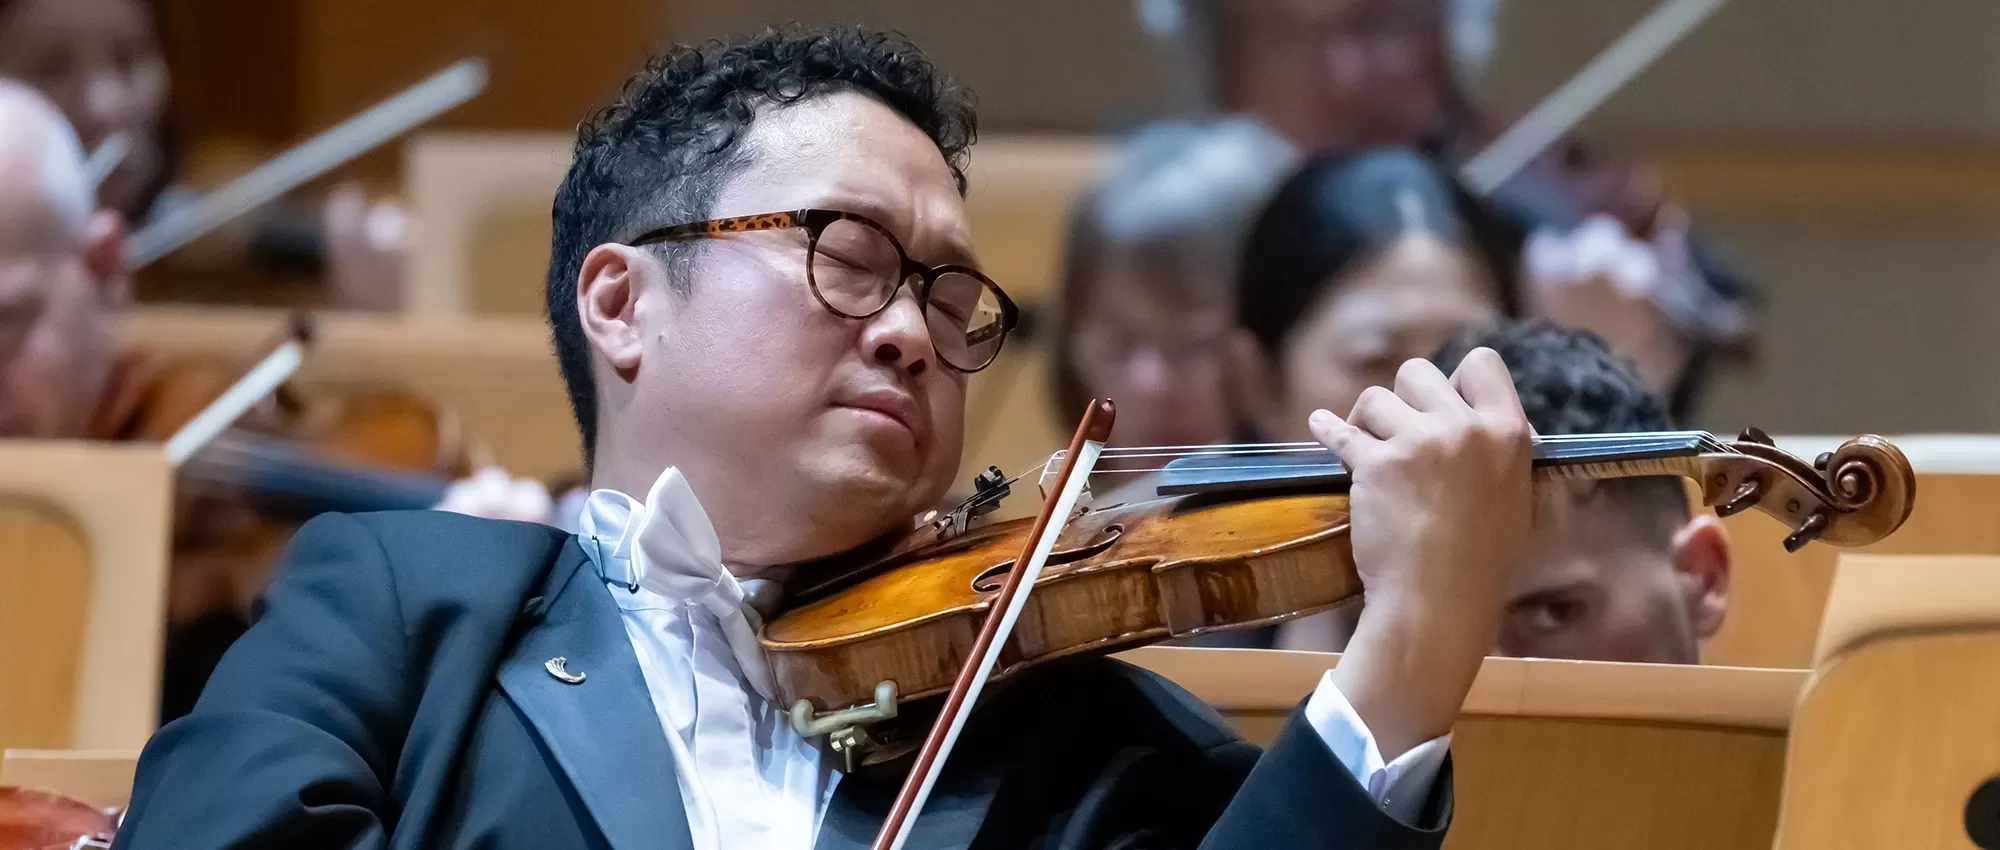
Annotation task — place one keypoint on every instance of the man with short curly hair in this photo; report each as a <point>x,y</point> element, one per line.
<point>1617,570</point>
<point>765,302</point>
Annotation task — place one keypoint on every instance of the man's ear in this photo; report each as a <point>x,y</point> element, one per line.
<point>608,289</point>
<point>1701,567</point>
<point>1253,385</point>
<point>104,257</point>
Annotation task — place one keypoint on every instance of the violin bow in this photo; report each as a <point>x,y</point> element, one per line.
<point>310,159</point>
<point>1005,610</point>
<point>1576,98</point>
<point>105,158</point>
<point>271,371</point>
<point>1565,107</point>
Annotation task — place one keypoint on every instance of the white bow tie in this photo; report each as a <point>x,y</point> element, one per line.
<point>671,549</point>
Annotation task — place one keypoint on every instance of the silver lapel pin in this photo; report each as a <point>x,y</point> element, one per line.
<point>555,667</point>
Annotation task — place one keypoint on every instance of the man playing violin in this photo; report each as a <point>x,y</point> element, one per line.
<point>767,306</point>
<point>64,288</point>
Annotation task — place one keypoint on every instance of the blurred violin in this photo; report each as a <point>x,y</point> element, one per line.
<point>1244,536</point>
<point>42,820</point>
<point>275,456</point>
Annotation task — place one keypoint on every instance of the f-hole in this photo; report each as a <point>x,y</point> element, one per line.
<point>991,580</point>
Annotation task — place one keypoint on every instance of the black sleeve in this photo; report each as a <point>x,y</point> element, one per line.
<point>1298,795</point>
<point>295,739</point>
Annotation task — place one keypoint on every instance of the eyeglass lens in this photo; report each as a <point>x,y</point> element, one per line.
<point>856,269</point>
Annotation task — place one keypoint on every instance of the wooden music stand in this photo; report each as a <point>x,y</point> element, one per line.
<point>1896,742</point>
<point>1564,754</point>
<point>85,530</point>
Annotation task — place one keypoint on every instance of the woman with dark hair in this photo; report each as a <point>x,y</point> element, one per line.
<point>1358,264</point>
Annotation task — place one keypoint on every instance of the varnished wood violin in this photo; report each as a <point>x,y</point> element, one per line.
<point>243,489</point>
<point>1243,536</point>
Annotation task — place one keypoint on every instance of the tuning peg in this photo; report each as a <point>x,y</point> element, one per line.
<point>1746,497</point>
<point>1755,435</point>
<point>1820,463</point>
<point>1807,532</point>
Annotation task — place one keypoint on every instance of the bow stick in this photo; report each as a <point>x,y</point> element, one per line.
<point>105,158</point>
<point>263,379</point>
<point>1602,77</point>
<point>310,159</point>
<point>1564,108</point>
<point>1005,610</point>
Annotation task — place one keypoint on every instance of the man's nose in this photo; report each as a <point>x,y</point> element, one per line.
<point>899,337</point>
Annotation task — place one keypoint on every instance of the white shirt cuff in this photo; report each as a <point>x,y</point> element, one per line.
<point>1399,787</point>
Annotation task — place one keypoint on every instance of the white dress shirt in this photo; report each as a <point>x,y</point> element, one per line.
<point>746,778</point>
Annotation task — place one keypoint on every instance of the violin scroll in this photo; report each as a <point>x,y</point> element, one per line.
<point>1853,496</point>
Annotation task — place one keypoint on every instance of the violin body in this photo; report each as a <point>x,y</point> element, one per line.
<point>1120,577</point>
<point>41,820</point>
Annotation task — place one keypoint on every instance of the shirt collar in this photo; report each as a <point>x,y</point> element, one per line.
<point>667,545</point>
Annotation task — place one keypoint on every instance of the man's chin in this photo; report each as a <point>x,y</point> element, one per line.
<point>868,491</point>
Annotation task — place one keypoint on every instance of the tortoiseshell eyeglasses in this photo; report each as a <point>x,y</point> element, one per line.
<point>855,267</point>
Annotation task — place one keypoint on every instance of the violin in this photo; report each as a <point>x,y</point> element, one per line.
<point>42,820</point>
<point>1243,536</point>
<point>292,456</point>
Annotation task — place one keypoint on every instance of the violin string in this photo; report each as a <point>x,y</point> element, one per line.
<point>1229,449</point>
<point>1611,443</point>
<point>1309,444</point>
<point>1271,449</point>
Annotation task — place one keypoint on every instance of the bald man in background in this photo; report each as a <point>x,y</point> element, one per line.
<point>63,283</point>
<point>64,287</point>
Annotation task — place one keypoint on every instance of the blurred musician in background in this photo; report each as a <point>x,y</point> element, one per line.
<point>101,62</point>
<point>1148,286</point>
<point>1617,570</point>
<point>1357,265</point>
<point>63,375</point>
<point>1606,250</point>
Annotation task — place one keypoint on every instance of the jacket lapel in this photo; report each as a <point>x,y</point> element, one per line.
<point>602,730</point>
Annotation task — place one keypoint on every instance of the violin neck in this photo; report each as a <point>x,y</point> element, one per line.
<point>1563,457</point>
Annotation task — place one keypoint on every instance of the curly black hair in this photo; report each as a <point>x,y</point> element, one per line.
<point>1571,383</point>
<point>662,151</point>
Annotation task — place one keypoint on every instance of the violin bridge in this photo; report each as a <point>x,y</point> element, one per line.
<point>846,730</point>
<point>1048,480</point>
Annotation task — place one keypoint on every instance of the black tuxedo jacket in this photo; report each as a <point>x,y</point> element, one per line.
<point>392,694</point>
